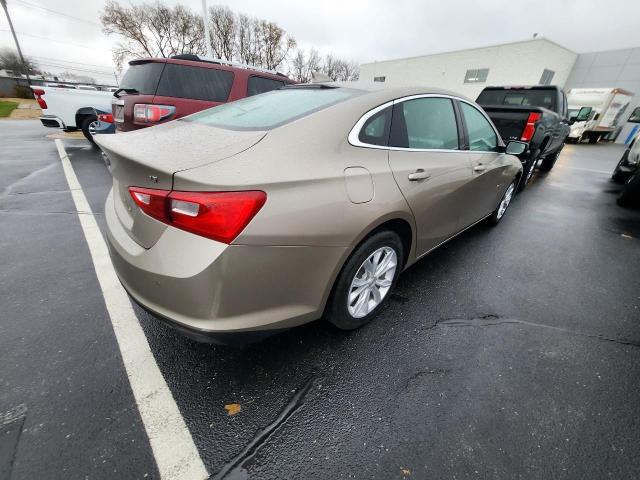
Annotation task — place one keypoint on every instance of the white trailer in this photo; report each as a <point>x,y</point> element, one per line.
<point>603,108</point>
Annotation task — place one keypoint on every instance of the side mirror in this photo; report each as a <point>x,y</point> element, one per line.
<point>572,120</point>
<point>583,114</point>
<point>516,148</point>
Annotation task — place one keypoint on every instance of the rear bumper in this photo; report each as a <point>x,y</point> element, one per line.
<point>206,288</point>
<point>52,121</point>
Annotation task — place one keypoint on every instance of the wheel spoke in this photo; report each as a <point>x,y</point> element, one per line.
<point>356,293</point>
<point>376,295</point>
<point>383,282</point>
<point>358,282</point>
<point>368,266</point>
<point>361,305</point>
<point>387,265</point>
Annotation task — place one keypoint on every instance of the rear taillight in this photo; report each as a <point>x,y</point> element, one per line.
<point>153,202</point>
<point>530,127</point>
<point>220,216</point>
<point>105,117</point>
<point>37,93</point>
<point>146,113</point>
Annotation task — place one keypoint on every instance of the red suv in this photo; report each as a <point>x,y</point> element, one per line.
<point>155,90</point>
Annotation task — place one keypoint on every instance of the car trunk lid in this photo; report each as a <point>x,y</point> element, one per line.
<point>148,158</point>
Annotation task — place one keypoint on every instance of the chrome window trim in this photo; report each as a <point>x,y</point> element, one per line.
<point>354,134</point>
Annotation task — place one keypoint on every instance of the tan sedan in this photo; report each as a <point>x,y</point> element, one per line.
<point>297,204</point>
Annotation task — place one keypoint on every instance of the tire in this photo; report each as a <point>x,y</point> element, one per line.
<point>618,176</point>
<point>347,315</point>
<point>594,138</point>
<point>630,195</point>
<point>527,171</point>
<point>550,160</point>
<point>86,127</point>
<point>504,203</point>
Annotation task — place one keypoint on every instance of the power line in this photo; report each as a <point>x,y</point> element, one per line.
<point>55,12</point>
<point>52,40</point>
<point>77,69</point>
<point>70,61</point>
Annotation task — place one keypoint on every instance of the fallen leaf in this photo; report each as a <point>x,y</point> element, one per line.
<point>405,472</point>
<point>232,408</point>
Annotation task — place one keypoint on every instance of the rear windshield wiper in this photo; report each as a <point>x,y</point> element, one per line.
<point>129,91</point>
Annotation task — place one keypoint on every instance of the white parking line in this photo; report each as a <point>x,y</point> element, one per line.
<point>175,453</point>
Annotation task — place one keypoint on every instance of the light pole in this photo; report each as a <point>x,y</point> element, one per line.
<point>205,19</point>
<point>13,32</point>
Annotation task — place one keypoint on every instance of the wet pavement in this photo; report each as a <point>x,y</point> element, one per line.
<point>510,352</point>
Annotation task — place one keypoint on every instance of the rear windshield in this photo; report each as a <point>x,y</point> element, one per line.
<point>525,97</point>
<point>257,85</point>
<point>271,109</point>
<point>197,83</point>
<point>143,77</point>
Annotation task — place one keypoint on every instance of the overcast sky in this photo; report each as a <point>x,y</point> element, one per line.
<point>355,29</point>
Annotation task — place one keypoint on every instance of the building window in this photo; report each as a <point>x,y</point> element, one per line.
<point>547,77</point>
<point>379,79</point>
<point>476,75</point>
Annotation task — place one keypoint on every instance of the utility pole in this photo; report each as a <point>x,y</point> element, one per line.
<point>205,19</point>
<point>13,32</point>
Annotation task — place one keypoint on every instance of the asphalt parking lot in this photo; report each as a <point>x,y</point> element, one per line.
<point>511,352</point>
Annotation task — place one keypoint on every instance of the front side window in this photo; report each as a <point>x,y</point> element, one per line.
<point>424,123</point>
<point>257,85</point>
<point>635,116</point>
<point>375,131</point>
<point>482,136</point>
<point>272,109</point>
<point>198,83</point>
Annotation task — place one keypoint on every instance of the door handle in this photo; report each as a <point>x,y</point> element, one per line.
<point>479,168</point>
<point>419,174</point>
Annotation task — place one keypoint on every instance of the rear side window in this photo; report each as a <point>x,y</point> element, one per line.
<point>271,109</point>
<point>424,123</point>
<point>375,131</point>
<point>257,85</point>
<point>482,137</point>
<point>143,77</point>
<point>197,83</point>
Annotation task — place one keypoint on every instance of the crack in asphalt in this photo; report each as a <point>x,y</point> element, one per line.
<point>495,320</point>
<point>234,469</point>
<point>35,173</point>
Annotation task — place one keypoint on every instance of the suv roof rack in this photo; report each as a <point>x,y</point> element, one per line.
<point>195,58</point>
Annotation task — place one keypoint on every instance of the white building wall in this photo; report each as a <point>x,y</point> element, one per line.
<point>612,68</point>
<point>519,63</point>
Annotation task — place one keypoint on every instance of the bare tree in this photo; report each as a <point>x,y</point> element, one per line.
<point>152,30</point>
<point>157,30</point>
<point>224,31</point>
<point>9,60</point>
<point>303,65</point>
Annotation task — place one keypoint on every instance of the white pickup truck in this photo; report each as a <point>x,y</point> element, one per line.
<point>72,109</point>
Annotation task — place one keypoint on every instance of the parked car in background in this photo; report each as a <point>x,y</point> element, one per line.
<point>71,109</point>
<point>156,90</point>
<point>274,208</point>
<point>536,115</point>
<point>627,172</point>
<point>602,109</point>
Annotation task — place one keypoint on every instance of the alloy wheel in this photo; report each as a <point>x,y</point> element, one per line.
<point>506,200</point>
<point>372,282</point>
<point>92,127</point>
